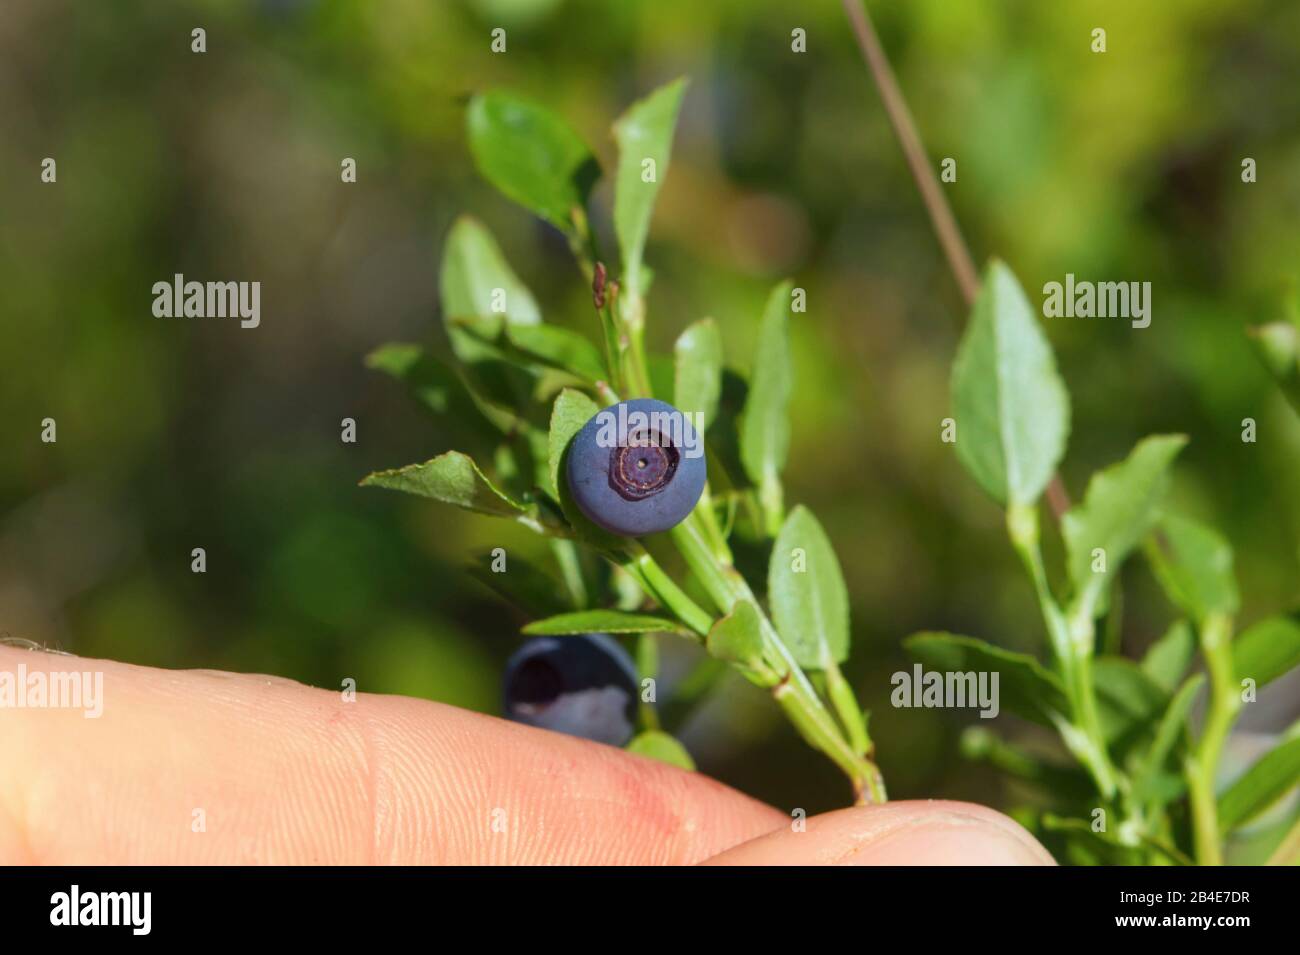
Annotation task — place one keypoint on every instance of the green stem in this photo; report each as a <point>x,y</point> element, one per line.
<point>846,707</point>
<point>582,244</point>
<point>627,311</point>
<point>706,553</point>
<point>795,694</point>
<point>632,348</point>
<point>656,582</point>
<point>1202,765</point>
<point>709,518</point>
<point>771,503</point>
<point>1089,718</point>
<point>647,665</point>
<point>1073,655</point>
<point>566,555</point>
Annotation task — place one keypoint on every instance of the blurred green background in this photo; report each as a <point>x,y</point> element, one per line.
<point>175,434</point>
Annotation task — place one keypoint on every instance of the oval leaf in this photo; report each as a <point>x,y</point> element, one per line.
<point>474,272</point>
<point>603,621</point>
<point>531,155</point>
<point>657,744</point>
<point>1194,566</point>
<point>697,360</point>
<point>524,585</point>
<point>1012,409</point>
<point>645,138</point>
<point>1172,729</point>
<point>810,603</point>
<point>1128,701</point>
<point>1267,649</point>
<point>559,348</point>
<point>1170,656</point>
<point>1118,509</point>
<point>1025,686</point>
<point>452,478</point>
<point>765,429</point>
<point>1272,777</point>
<point>738,639</point>
<point>572,410</point>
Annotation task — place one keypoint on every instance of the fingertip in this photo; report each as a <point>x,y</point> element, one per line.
<point>921,832</point>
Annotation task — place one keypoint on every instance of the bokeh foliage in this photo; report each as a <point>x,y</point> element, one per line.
<point>182,433</point>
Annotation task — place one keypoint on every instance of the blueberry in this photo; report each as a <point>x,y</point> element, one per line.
<point>581,685</point>
<point>637,467</point>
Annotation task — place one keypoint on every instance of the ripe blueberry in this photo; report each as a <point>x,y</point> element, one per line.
<point>581,685</point>
<point>637,467</point>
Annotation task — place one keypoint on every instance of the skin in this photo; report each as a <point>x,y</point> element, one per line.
<point>289,774</point>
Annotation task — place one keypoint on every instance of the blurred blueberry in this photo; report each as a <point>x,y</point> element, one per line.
<point>581,685</point>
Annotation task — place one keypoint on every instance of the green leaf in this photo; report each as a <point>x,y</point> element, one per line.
<point>1170,656</point>
<point>765,427</point>
<point>697,359</point>
<point>603,621</point>
<point>452,478</point>
<point>1128,701</point>
<point>476,281</point>
<point>810,603</point>
<point>1194,566</point>
<point>1061,782</point>
<point>1275,774</point>
<point>1025,687</point>
<point>1011,407</point>
<point>738,639</point>
<point>434,385</point>
<point>1278,347</point>
<point>657,744</point>
<point>539,347</point>
<point>1267,649</point>
<point>644,133</point>
<point>560,348</point>
<point>524,585</point>
<point>572,410</point>
<point>1121,504</point>
<point>1108,846</point>
<point>1172,729</point>
<point>532,156</point>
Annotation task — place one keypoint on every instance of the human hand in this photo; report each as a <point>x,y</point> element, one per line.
<point>202,767</point>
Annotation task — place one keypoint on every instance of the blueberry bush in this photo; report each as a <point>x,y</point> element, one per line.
<point>1134,777</point>
<point>537,385</point>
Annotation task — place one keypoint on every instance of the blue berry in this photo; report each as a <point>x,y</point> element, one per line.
<point>581,685</point>
<point>637,467</point>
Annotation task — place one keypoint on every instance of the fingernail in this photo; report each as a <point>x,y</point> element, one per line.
<point>945,837</point>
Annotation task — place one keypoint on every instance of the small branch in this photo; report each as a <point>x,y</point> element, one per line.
<point>656,582</point>
<point>936,203</point>
<point>1203,764</point>
<point>846,707</point>
<point>1081,733</point>
<point>900,117</point>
